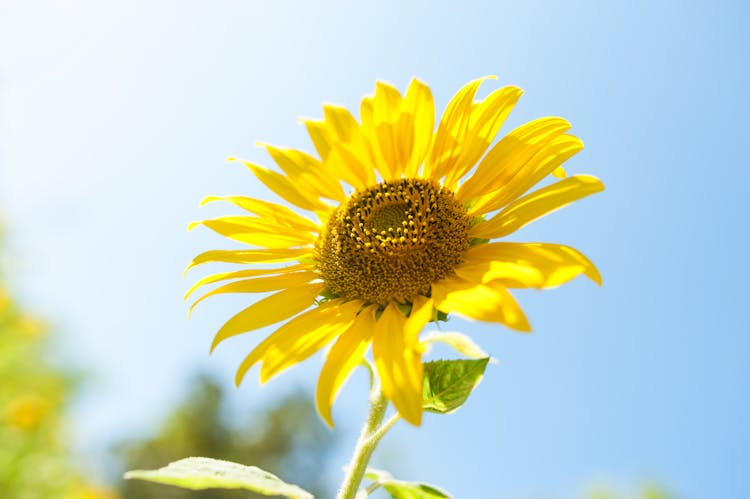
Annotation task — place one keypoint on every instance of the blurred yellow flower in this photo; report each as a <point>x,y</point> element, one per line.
<point>31,327</point>
<point>27,411</point>
<point>405,218</point>
<point>4,299</point>
<point>87,491</point>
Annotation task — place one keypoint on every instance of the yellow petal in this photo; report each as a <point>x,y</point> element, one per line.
<point>276,255</point>
<point>284,188</point>
<point>257,231</point>
<point>419,104</point>
<point>260,285</point>
<point>421,313</point>
<point>449,137</point>
<point>348,155</point>
<point>559,172</point>
<point>536,205</point>
<point>300,338</point>
<point>487,117</point>
<point>507,157</point>
<point>349,167</point>
<point>544,162</point>
<point>511,272</point>
<point>270,310</point>
<point>346,354</point>
<point>319,137</point>
<point>398,357</point>
<point>380,114</point>
<point>306,173</point>
<point>392,142</point>
<point>338,126</point>
<point>340,123</point>
<point>280,214</point>
<point>489,302</point>
<point>240,274</point>
<point>539,265</point>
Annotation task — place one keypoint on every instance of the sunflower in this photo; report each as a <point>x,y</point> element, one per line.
<point>405,218</point>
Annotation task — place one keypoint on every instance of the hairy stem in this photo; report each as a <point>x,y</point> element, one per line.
<point>368,440</point>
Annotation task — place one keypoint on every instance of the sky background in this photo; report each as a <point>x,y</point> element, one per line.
<point>116,118</point>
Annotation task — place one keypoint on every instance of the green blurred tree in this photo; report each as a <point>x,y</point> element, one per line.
<point>35,457</point>
<point>288,439</point>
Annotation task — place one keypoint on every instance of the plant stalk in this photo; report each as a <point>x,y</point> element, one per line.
<point>366,444</point>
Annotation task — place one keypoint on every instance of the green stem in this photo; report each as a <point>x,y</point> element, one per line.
<point>380,432</point>
<point>368,440</point>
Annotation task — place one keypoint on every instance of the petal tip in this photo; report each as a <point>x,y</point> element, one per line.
<point>414,419</point>
<point>325,413</point>
<point>214,344</point>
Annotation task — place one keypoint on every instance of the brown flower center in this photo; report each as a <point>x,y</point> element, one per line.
<point>391,241</point>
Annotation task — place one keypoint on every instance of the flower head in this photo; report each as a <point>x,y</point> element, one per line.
<point>405,221</point>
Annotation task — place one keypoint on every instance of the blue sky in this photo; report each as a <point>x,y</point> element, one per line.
<point>115,120</point>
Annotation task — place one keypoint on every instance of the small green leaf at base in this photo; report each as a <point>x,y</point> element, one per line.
<point>197,473</point>
<point>448,383</point>
<point>398,489</point>
<point>410,490</point>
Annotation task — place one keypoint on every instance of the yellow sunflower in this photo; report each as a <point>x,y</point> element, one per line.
<point>405,218</point>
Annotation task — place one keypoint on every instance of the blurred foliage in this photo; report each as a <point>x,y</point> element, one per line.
<point>288,440</point>
<point>35,456</point>
<point>648,492</point>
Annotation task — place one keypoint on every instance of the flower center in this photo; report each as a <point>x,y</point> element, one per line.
<point>391,241</point>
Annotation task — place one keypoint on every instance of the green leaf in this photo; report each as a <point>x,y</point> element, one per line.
<point>398,489</point>
<point>448,383</point>
<point>197,473</point>
<point>410,490</point>
<point>378,476</point>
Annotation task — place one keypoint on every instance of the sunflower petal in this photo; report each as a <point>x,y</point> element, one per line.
<point>349,157</point>
<point>449,137</point>
<point>559,172</point>
<point>285,188</point>
<point>420,106</point>
<point>487,118</point>
<point>260,285</point>
<point>318,134</point>
<point>337,126</point>
<point>398,357</point>
<point>345,355</point>
<point>279,213</point>
<point>511,273</point>
<point>508,156</point>
<point>256,231</point>
<point>392,142</point>
<point>270,310</point>
<point>276,255</point>
<point>349,167</point>
<point>489,302</point>
<point>299,338</point>
<point>555,263</point>
<point>546,161</point>
<point>536,205</point>
<point>240,274</point>
<point>306,172</point>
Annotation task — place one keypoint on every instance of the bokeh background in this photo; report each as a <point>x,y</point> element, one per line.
<point>116,118</point>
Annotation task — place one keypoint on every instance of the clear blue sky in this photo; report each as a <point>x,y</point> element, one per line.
<point>115,119</point>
